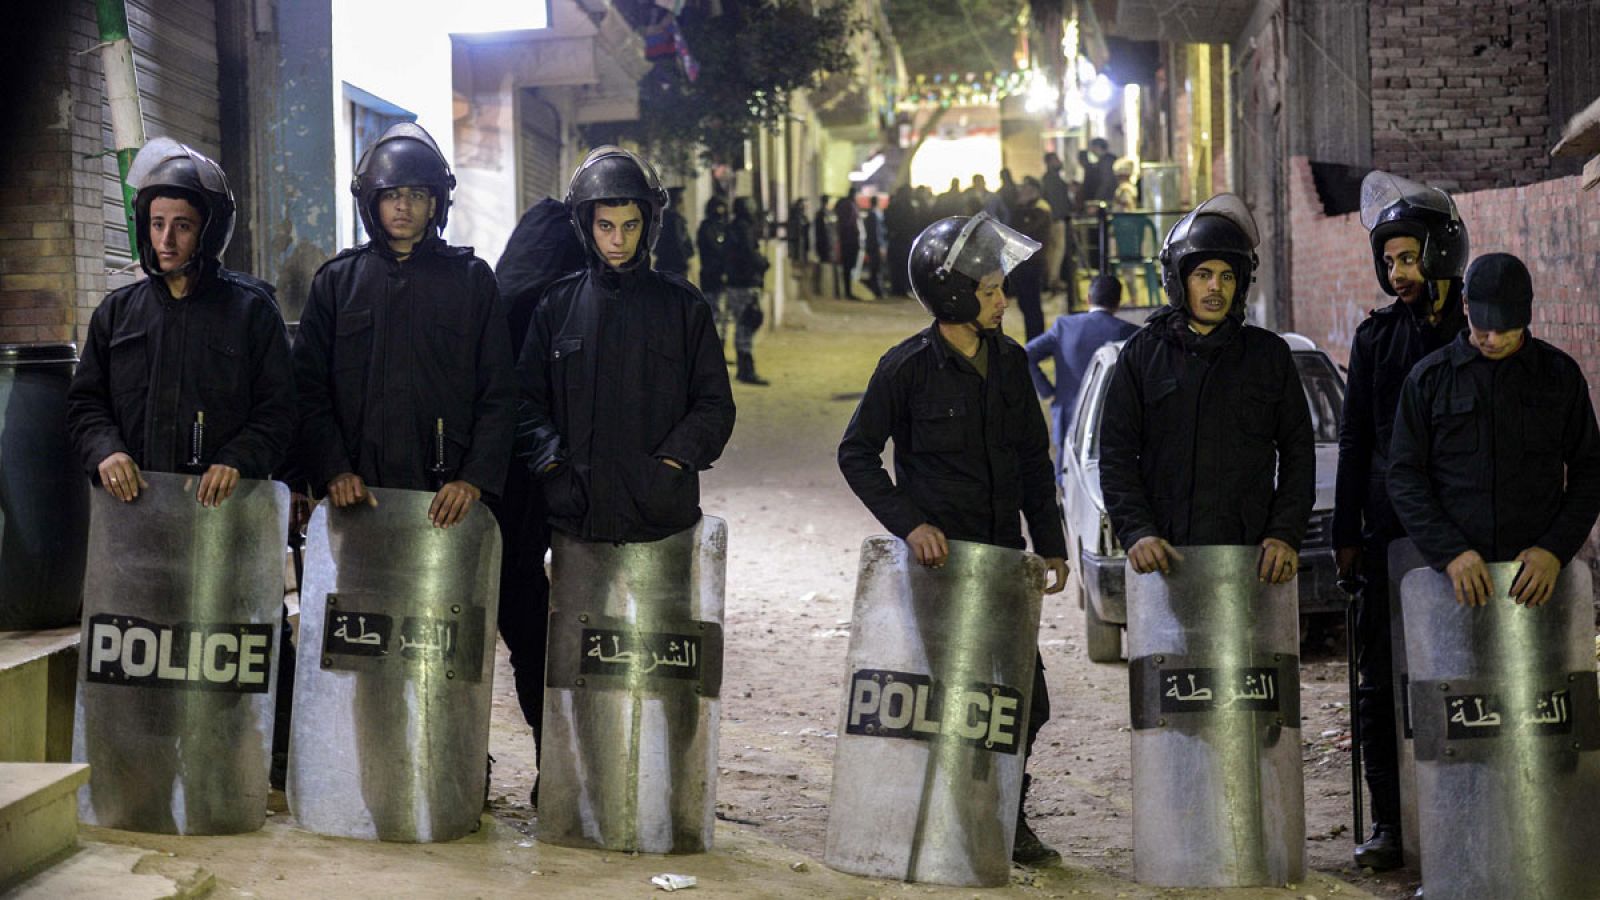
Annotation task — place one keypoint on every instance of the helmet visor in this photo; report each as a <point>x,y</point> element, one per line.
<point>1226,206</point>
<point>1381,190</point>
<point>164,149</point>
<point>985,246</point>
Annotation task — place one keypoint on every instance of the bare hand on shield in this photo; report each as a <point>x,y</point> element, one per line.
<point>928,545</point>
<point>1151,553</point>
<point>450,505</point>
<point>1471,579</point>
<point>1057,569</point>
<point>217,485</point>
<point>346,489</point>
<point>119,475</point>
<point>1279,561</point>
<point>1536,580</point>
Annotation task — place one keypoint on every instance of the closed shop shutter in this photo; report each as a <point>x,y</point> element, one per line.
<point>538,149</point>
<point>175,53</point>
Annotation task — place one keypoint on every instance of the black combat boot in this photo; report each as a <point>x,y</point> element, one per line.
<point>747,371</point>
<point>1027,849</point>
<point>1383,851</point>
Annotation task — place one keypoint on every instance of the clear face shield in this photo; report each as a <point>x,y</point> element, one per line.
<point>1226,206</point>
<point>164,149</point>
<point>1381,190</point>
<point>985,245</point>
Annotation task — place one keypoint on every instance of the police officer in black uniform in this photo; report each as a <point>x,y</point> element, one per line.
<point>1203,409</point>
<point>975,474</point>
<point>624,394</point>
<point>1496,456</point>
<point>402,359</point>
<point>1419,250</point>
<point>187,370</point>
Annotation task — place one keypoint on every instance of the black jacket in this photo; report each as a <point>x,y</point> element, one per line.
<point>712,238</point>
<point>742,261</point>
<point>1386,345</point>
<point>543,247</point>
<point>1481,448</point>
<point>151,363</point>
<point>620,371</point>
<point>970,453</point>
<point>674,248</point>
<point>386,349</point>
<point>823,225</point>
<point>1193,430</point>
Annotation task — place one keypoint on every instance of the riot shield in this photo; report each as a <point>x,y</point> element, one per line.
<point>1403,558</point>
<point>927,775</point>
<point>1506,722</point>
<point>177,665</point>
<point>394,671</point>
<point>1214,683</point>
<point>633,677</point>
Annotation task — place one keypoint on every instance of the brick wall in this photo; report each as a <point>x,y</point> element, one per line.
<point>1460,91</point>
<point>52,261</point>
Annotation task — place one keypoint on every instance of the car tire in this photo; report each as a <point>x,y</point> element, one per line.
<point>1102,640</point>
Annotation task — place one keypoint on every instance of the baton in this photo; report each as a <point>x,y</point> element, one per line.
<point>1353,585</point>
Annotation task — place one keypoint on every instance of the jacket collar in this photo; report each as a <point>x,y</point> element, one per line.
<point>1462,352</point>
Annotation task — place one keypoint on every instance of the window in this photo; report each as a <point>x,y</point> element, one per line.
<point>370,117</point>
<point>1324,394</point>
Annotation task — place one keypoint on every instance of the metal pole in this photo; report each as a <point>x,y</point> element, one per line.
<point>122,93</point>
<point>1353,585</point>
<point>1103,237</point>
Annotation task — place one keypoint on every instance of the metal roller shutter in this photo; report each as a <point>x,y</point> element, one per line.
<point>538,148</point>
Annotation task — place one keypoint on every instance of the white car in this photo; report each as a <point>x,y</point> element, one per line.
<point>1093,546</point>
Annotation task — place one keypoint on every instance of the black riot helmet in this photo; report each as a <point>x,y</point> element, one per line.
<point>952,255</point>
<point>405,156</point>
<point>165,167</point>
<point>1392,206</point>
<point>612,173</point>
<point>1220,228</point>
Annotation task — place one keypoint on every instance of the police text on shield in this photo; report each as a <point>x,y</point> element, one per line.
<point>912,705</point>
<point>187,656</point>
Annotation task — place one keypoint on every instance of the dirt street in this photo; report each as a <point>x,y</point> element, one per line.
<point>795,530</point>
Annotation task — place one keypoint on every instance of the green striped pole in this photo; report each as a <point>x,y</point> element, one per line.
<point>122,91</point>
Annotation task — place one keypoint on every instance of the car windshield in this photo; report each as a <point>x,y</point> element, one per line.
<point>1324,396</point>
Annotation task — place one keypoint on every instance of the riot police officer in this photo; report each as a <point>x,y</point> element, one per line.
<point>1419,250</point>
<point>1204,408</point>
<point>624,395</point>
<point>971,450</point>
<point>1495,455</point>
<point>402,358</point>
<point>187,369</point>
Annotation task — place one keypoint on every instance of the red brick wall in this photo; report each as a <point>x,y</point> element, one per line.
<point>1460,91</point>
<point>52,245</point>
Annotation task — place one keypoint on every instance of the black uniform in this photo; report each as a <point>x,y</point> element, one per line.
<point>1194,429</point>
<point>971,453</point>
<point>385,349</point>
<point>1495,456</point>
<point>621,370</point>
<point>1387,344</point>
<point>543,248</point>
<point>151,363</point>
<point>674,248</point>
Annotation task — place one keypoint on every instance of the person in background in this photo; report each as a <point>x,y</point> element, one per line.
<point>1071,342</point>
<point>675,248</point>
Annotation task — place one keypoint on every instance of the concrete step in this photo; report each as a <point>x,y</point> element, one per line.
<point>38,815</point>
<point>116,872</point>
<point>38,684</point>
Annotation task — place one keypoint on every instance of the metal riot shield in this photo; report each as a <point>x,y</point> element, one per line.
<point>633,676</point>
<point>1506,720</point>
<point>178,661</point>
<point>927,775</point>
<point>1403,558</point>
<point>1214,681</point>
<point>394,671</point>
